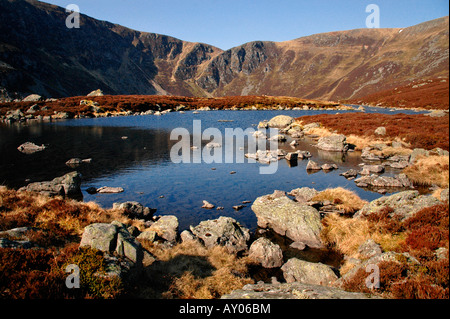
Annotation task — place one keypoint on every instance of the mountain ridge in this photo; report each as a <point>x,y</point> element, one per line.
<point>38,54</point>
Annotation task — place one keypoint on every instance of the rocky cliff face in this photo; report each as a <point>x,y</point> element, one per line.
<point>39,54</point>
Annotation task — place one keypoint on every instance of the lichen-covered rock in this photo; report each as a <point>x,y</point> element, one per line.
<point>166,227</point>
<point>404,204</point>
<point>67,185</point>
<point>333,143</point>
<point>288,218</point>
<point>266,253</point>
<point>307,272</point>
<point>295,290</point>
<point>224,231</point>
<point>280,121</point>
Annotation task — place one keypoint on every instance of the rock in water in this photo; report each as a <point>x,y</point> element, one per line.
<point>297,221</point>
<point>30,148</point>
<point>207,205</point>
<point>280,121</point>
<point>67,185</point>
<point>333,143</point>
<point>110,190</point>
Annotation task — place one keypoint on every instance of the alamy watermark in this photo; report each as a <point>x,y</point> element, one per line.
<point>73,19</point>
<point>73,280</point>
<point>373,280</point>
<point>373,19</point>
<point>231,147</point>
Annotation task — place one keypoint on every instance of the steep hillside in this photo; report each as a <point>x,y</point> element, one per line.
<point>38,54</point>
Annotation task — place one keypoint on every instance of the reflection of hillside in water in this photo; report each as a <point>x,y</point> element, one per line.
<point>110,152</point>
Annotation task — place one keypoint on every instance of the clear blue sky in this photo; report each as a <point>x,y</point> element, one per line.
<point>228,23</point>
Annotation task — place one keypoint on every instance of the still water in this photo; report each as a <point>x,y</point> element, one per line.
<point>141,163</point>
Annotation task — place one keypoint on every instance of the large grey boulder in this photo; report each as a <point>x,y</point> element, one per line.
<point>166,227</point>
<point>67,185</point>
<point>288,218</point>
<point>110,238</point>
<point>280,121</point>
<point>266,253</point>
<point>224,231</point>
<point>295,290</point>
<point>309,273</point>
<point>333,143</point>
<point>399,181</point>
<point>404,204</point>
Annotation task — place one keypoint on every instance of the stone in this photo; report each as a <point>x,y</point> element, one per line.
<point>188,236</point>
<point>127,245</point>
<point>288,218</point>
<point>67,185</point>
<point>400,181</point>
<point>311,126</point>
<point>110,190</point>
<point>416,153</point>
<point>380,131</point>
<point>30,148</point>
<point>404,204</point>
<point>100,236</point>
<point>295,290</point>
<point>32,98</point>
<point>148,235</point>
<point>329,167</point>
<point>266,253</point>
<point>369,249</point>
<point>374,168</point>
<point>95,93</point>
<point>333,143</point>
<point>207,205</point>
<point>135,210</point>
<point>224,231</point>
<point>280,121</point>
<point>278,137</point>
<point>296,270</point>
<point>351,173</point>
<point>444,195</point>
<point>304,194</point>
<point>292,157</point>
<point>313,166</point>
<point>166,227</point>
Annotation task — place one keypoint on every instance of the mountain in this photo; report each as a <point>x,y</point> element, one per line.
<point>39,54</point>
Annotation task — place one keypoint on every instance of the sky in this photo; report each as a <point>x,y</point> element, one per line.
<point>229,23</point>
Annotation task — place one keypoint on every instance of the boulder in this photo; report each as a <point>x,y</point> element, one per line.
<point>95,93</point>
<point>374,180</point>
<point>110,190</point>
<point>378,169</point>
<point>380,131</point>
<point>224,231</point>
<point>295,290</point>
<point>404,204</point>
<point>135,210</point>
<point>304,194</point>
<point>32,98</point>
<point>266,253</point>
<point>280,121</point>
<point>351,173</point>
<point>309,273</point>
<point>329,167</point>
<point>67,185</point>
<point>166,227</point>
<point>30,148</point>
<point>112,238</point>
<point>369,249</point>
<point>333,143</point>
<point>313,166</point>
<point>286,217</point>
<point>207,205</point>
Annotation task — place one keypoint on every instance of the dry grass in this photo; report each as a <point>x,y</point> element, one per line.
<point>344,199</point>
<point>192,271</point>
<point>428,171</point>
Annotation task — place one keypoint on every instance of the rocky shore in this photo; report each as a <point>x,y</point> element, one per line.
<point>131,240</point>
